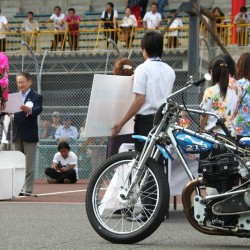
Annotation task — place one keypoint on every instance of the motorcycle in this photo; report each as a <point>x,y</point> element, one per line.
<point>130,184</point>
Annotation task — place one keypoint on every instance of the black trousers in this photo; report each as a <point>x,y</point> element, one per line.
<point>58,38</point>
<point>73,41</point>
<point>114,143</point>
<point>143,124</point>
<point>59,177</point>
<point>173,42</point>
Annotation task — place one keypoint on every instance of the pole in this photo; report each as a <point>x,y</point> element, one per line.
<point>193,42</point>
<point>36,66</point>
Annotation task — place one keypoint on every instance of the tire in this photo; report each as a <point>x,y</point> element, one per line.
<point>109,214</point>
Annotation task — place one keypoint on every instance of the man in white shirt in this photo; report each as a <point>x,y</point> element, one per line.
<point>60,28</point>
<point>152,19</point>
<point>153,83</point>
<point>3,28</point>
<point>173,41</point>
<point>109,16</point>
<point>31,26</point>
<point>64,168</point>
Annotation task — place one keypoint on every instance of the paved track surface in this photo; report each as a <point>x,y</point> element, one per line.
<point>47,225</point>
<point>57,220</point>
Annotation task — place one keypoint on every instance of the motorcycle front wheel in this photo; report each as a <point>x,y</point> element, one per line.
<point>118,219</point>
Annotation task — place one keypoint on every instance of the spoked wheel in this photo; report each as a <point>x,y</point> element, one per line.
<point>116,218</point>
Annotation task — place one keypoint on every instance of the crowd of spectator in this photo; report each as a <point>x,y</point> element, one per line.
<point>60,128</point>
<point>67,27</point>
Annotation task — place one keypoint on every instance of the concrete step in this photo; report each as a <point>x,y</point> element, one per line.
<point>10,4</point>
<point>10,7</point>
<point>9,12</point>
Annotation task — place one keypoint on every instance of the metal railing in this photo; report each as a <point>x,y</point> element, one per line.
<point>93,36</point>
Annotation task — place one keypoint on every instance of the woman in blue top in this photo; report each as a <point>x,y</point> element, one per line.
<point>242,119</point>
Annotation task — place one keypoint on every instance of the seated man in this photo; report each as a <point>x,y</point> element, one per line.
<point>64,168</point>
<point>66,132</point>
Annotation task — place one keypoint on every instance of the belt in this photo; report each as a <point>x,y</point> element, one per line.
<point>144,116</point>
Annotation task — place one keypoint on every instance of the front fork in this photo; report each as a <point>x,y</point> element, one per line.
<point>149,150</point>
<point>139,169</point>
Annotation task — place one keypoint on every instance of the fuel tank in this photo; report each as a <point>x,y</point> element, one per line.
<point>191,143</point>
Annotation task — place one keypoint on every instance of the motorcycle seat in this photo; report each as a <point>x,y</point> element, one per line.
<point>245,141</point>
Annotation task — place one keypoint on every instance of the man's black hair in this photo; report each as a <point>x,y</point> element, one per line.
<point>152,42</point>
<point>62,145</point>
<point>111,5</point>
<point>231,64</point>
<point>154,4</point>
<point>57,7</point>
<point>30,13</point>
<point>243,9</point>
<point>72,9</point>
<point>25,74</point>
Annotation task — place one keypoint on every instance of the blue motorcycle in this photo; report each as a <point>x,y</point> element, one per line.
<point>132,184</point>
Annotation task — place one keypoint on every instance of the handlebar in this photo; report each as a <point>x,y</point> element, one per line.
<point>207,77</point>
<point>190,83</point>
<point>221,123</point>
<point>203,112</point>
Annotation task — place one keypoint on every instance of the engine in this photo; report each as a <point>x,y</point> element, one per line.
<point>220,172</point>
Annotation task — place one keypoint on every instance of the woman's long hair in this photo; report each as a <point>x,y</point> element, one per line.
<point>220,74</point>
<point>243,66</point>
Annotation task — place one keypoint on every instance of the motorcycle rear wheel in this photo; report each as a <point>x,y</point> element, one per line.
<point>110,216</point>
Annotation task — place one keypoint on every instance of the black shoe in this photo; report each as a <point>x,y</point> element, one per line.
<point>25,193</point>
<point>139,218</point>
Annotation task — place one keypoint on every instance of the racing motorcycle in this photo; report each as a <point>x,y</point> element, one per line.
<point>129,184</point>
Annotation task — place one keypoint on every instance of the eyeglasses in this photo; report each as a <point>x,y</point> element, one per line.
<point>21,82</point>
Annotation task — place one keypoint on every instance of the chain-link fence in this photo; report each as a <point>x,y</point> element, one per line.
<point>66,82</point>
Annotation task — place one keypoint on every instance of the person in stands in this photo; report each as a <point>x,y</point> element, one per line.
<point>60,28</point>
<point>152,19</point>
<point>109,17</point>
<point>73,22</point>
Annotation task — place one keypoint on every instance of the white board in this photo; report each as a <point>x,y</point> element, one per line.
<point>110,99</point>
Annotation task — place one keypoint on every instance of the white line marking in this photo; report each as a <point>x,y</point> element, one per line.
<point>45,194</point>
<point>55,193</point>
<point>41,202</point>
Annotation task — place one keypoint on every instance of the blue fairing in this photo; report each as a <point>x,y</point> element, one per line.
<point>163,150</point>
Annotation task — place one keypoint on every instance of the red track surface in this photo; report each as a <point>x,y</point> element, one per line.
<point>42,187</point>
<point>47,190</point>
